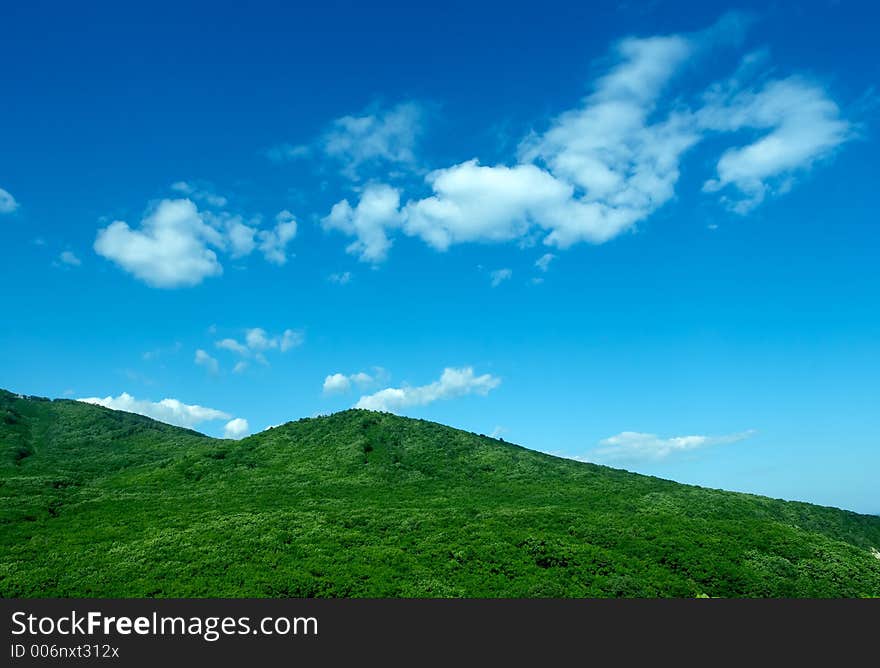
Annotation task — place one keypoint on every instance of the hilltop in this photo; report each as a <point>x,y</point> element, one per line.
<point>95,502</point>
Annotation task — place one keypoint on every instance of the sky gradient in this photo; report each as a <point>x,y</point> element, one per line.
<point>641,234</point>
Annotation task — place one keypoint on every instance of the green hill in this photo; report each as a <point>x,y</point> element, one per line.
<point>95,502</point>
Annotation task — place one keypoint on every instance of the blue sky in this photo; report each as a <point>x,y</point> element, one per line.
<point>643,234</point>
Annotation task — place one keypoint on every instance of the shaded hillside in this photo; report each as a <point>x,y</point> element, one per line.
<point>103,503</point>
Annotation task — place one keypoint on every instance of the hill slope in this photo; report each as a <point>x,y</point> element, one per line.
<point>103,503</point>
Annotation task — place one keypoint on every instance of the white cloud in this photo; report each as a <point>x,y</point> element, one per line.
<point>177,245</point>
<point>199,193</point>
<point>273,243</point>
<point>285,152</point>
<point>7,202</point>
<point>70,259</point>
<point>473,202</point>
<point>338,383</point>
<point>258,341</point>
<point>290,339</point>
<point>498,276</point>
<point>452,383</point>
<point>204,359</point>
<point>378,136</point>
<point>543,262</point>
<point>240,367</point>
<point>632,445</point>
<point>171,411</point>
<point>169,250</point>
<point>237,235</point>
<point>375,213</point>
<point>385,135</point>
<point>342,278</point>
<point>801,123</point>
<point>233,345</point>
<point>236,428</point>
<point>613,160</point>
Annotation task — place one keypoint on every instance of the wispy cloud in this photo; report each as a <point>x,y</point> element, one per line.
<point>376,137</point>
<point>638,446</point>
<point>171,411</point>
<point>543,262</point>
<point>203,359</point>
<point>340,278</point>
<point>498,276</point>
<point>7,202</point>
<point>612,161</point>
<point>69,258</point>
<point>453,382</point>
<point>257,342</point>
<point>200,193</point>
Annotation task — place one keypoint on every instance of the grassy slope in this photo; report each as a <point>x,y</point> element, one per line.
<point>96,502</point>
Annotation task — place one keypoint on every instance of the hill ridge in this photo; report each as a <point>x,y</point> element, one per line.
<point>362,503</point>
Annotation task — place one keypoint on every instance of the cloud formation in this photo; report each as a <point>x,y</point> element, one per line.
<point>257,342</point>
<point>199,193</point>
<point>368,221</point>
<point>69,258</point>
<point>7,202</point>
<point>633,445</point>
<point>498,276</point>
<point>377,137</point>
<point>177,245</point>
<point>453,382</point>
<point>602,167</point>
<point>800,123</point>
<point>236,428</point>
<point>543,262</point>
<point>340,278</point>
<point>170,411</point>
<point>337,383</point>
<point>203,359</point>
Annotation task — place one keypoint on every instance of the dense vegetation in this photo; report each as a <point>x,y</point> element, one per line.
<point>95,502</point>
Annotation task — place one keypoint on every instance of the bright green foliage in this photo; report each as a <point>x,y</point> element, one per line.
<point>95,502</point>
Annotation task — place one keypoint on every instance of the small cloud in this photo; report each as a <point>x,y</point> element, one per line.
<point>204,359</point>
<point>369,221</point>
<point>343,278</point>
<point>240,367</point>
<point>236,428</point>
<point>288,152</point>
<point>498,276</point>
<point>543,262</point>
<point>338,383</point>
<point>156,353</point>
<point>451,384</point>
<point>257,341</point>
<point>7,202</point>
<point>233,345</point>
<point>377,136</point>
<point>199,193</point>
<point>633,445</point>
<point>70,259</point>
<point>171,411</point>
<point>273,243</point>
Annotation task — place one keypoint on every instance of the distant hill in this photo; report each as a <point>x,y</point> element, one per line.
<point>95,502</point>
